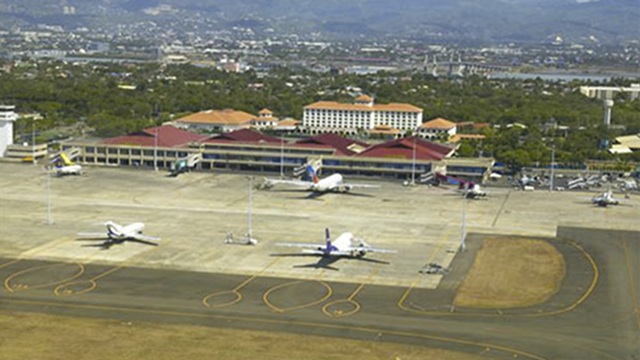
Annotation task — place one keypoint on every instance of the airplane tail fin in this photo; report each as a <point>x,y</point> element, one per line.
<point>312,174</point>
<point>328,245</point>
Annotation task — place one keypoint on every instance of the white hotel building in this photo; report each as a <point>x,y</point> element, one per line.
<point>331,116</point>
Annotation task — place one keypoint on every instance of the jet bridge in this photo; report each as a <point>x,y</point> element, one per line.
<point>67,156</point>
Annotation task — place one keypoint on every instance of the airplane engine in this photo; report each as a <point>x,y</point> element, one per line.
<point>347,188</point>
<point>358,253</point>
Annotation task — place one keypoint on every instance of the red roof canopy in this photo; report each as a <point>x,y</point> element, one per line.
<point>167,136</point>
<point>403,148</point>
<point>243,135</point>
<point>343,146</point>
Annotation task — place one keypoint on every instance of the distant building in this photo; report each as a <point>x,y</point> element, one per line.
<point>216,120</point>
<point>265,120</point>
<point>363,114</point>
<point>469,127</point>
<point>626,144</point>
<point>7,117</point>
<point>287,125</point>
<point>459,137</point>
<point>436,128</point>
<point>231,67</point>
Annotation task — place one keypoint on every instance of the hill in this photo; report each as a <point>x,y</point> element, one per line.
<point>467,20</point>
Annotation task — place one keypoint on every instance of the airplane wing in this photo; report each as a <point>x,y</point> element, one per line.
<point>315,252</point>
<point>143,242</point>
<point>352,185</point>
<point>371,249</point>
<point>300,245</point>
<point>144,238</point>
<point>301,183</point>
<point>101,235</point>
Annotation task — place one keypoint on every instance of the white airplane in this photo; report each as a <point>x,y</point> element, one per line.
<point>117,234</point>
<point>468,189</point>
<point>605,199</point>
<point>64,166</point>
<point>474,192</point>
<point>332,183</point>
<point>69,170</point>
<point>344,246</point>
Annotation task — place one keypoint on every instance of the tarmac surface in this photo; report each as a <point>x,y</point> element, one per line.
<point>194,277</point>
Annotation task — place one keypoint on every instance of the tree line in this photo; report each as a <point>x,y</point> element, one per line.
<point>115,99</point>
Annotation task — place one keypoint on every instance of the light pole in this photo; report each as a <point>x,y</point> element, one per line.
<point>413,162</point>
<point>155,149</point>
<point>282,157</point>
<point>553,159</point>
<point>463,229</point>
<point>33,140</point>
<point>250,240</point>
<point>49,220</point>
<point>249,207</point>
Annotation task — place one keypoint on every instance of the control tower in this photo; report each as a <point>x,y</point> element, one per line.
<point>7,117</point>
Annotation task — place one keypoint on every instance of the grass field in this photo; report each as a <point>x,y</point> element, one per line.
<point>512,272</point>
<point>38,336</point>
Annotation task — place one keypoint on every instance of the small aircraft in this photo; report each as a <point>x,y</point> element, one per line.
<point>64,166</point>
<point>605,199</point>
<point>344,246</point>
<point>117,234</point>
<point>184,165</point>
<point>468,189</point>
<point>472,191</point>
<point>331,183</point>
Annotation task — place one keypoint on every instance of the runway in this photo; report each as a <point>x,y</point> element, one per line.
<point>594,316</point>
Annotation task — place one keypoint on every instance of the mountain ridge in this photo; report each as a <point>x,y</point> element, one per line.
<point>491,20</point>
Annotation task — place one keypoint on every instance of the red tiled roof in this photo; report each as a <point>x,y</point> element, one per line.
<point>219,117</point>
<point>364,98</point>
<point>403,148</point>
<point>457,137</point>
<point>289,122</point>
<point>332,105</point>
<point>168,136</point>
<point>342,145</point>
<point>243,135</point>
<point>438,123</point>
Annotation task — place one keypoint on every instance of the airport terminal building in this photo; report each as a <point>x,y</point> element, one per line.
<point>249,150</point>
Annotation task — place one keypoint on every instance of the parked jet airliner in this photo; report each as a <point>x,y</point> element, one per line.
<point>345,245</point>
<point>64,166</point>
<point>332,183</point>
<point>605,199</point>
<point>117,234</point>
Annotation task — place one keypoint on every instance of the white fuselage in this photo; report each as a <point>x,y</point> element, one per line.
<point>119,232</point>
<point>69,170</point>
<point>329,183</point>
<point>344,241</point>
<point>347,244</point>
<point>605,199</point>
<point>476,191</point>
